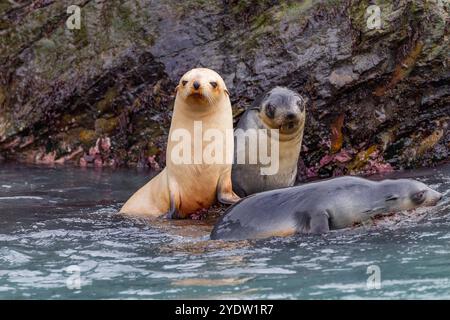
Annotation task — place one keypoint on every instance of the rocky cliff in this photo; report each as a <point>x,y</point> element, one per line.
<point>102,94</point>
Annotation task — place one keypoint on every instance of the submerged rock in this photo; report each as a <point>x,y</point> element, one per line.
<point>385,89</point>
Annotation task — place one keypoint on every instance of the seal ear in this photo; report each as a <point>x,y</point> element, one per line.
<point>176,89</point>
<point>226,91</point>
<point>307,100</point>
<point>302,103</point>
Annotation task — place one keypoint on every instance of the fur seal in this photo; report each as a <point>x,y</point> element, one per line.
<point>184,188</point>
<point>280,109</point>
<point>319,207</point>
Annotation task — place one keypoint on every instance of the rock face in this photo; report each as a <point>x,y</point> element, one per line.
<point>102,95</point>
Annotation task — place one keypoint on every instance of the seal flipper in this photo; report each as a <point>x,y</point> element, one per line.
<point>225,192</point>
<point>173,212</point>
<point>314,222</point>
<point>239,190</point>
<point>319,223</point>
<point>227,198</point>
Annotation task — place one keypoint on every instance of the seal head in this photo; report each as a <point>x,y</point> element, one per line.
<point>410,195</point>
<point>201,88</point>
<point>282,109</point>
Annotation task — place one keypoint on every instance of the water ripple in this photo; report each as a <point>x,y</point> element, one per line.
<point>55,219</point>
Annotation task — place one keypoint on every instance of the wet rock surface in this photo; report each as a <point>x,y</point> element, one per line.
<point>103,95</point>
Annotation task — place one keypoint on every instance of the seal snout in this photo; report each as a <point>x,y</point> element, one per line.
<point>434,198</point>
<point>196,85</point>
<point>439,197</point>
<point>291,116</point>
<point>196,89</point>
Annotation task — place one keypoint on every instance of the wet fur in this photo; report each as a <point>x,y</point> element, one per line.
<point>317,207</point>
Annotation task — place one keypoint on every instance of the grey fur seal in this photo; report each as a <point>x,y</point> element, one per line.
<point>318,207</point>
<point>281,109</point>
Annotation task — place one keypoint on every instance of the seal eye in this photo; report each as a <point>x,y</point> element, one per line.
<point>418,197</point>
<point>213,84</point>
<point>270,111</point>
<point>184,82</point>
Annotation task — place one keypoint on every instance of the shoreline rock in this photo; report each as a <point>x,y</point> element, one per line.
<point>380,99</point>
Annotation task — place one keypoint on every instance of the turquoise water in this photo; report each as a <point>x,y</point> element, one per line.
<point>58,223</point>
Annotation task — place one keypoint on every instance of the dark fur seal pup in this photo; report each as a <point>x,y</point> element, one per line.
<point>280,109</point>
<point>320,206</point>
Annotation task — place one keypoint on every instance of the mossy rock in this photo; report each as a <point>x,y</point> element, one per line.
<point>87,137</point>
<point>105,104</point>
<point>2,96</point>
<point>106,126</point>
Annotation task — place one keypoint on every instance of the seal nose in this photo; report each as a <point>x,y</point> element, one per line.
<point>290,116</point>
<point>196,85</point>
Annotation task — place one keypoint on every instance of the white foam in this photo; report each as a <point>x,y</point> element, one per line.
<point>21,198</point>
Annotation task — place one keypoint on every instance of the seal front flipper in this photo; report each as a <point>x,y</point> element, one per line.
<point>173,212</point>
<point>314,222</point>
<point>225,192</point>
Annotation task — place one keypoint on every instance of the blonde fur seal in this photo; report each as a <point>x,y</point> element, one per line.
<point>182,189</point>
